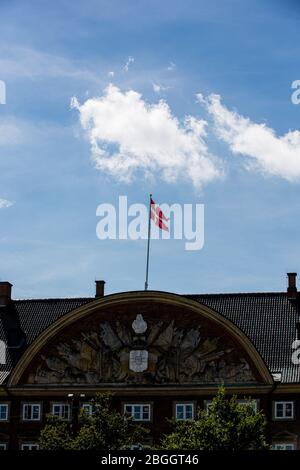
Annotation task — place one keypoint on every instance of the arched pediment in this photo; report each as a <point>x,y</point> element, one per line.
<point>141,338</point>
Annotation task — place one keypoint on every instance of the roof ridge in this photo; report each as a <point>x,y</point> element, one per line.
<point>206,294</point>
<point>56,299</point>
<point>235,294</point>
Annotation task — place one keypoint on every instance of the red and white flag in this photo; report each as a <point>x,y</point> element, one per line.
<point>158,216</point>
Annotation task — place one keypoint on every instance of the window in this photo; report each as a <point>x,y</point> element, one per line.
<point>139,412</point>
<point>87,408</point>
<point>3,411</point>
<point>207,404</point>
<point>283,446</point>
<point>61,410</point>
<point>283,410</point>
<point>184,411</point>
<point>31,412</point>
<point>29,446</point>
<point>252,403</point>
<point>3,445</point>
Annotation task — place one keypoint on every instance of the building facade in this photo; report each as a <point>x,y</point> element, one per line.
<point>162,355</point>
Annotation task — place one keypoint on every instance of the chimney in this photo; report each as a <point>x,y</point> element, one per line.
<point>5,293</point>
<point>99,289</point>
<point>292,288</point>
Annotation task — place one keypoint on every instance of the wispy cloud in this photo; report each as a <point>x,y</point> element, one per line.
<point>14,132</point>
<point>129,135</point>
<point>20,132</point>
<point>4,203</point>
<point>266,151</point>
<point>23,62</point>
<point>171,66</point>
<point>130,61</point>
<point>157,88</point>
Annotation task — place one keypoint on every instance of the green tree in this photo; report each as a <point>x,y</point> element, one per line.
<point>225,425</point>
<point>56,435</point>
<point>104,429</point>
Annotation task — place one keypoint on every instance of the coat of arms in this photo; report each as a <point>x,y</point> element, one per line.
<point>138,360</point>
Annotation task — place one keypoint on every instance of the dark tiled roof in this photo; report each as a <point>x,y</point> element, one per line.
<point>268,319</point>
<point>31,317</point>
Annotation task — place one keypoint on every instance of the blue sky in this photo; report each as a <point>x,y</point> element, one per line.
<point>246,52</point>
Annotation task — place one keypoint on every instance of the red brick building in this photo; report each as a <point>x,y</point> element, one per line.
<point>161,355</point>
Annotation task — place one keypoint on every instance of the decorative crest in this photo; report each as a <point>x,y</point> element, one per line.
<point>139,325</point>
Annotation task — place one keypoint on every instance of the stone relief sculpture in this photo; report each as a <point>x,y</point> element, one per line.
<point>162,354</point>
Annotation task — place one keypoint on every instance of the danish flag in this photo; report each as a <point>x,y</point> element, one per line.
<point>158,216</point>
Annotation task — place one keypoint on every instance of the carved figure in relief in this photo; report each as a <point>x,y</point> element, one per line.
<point>142,352</point>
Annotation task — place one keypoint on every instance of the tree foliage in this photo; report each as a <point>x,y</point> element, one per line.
<point>225,425</point>
<point>56,435</point>
<point>105,429</point>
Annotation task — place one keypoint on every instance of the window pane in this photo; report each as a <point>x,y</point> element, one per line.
<point>139,412</point>
<point>146,413</point>
<point>283,446</point>
<point>66,411</point>
<point>30,447</point>
<point>189,411</point>
<point>61,410</point>
<point>184,411</point>
<point>179,412</point>
<point>3,412</point>
<point>35,412</point>
<point>26,412</point>
<point>279,410</point>
<point>87,408</point>
<point>289,410</point>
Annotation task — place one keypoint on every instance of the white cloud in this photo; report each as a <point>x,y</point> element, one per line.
<point>266,152</point>
<point>171,66</point>
<point>130,61</point>
<point>4,203</point>
<point>157,88</point>
<point>111,74</point>
<point>129,135</point>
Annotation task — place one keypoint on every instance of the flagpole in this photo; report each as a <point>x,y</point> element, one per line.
<point>148,245</point>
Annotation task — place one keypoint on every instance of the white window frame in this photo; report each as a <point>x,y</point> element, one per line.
<point>284,417</point>
<point>253,403</point>
<point>207,404</point>
<point>6,405</point>
<point>29,446</point>
<point>283,445</point>
<point>140,405</point>
<point>184,405</point>
<point>3,445</point>
<point>61,404</point>
<point>87,408</point>
<point>29,405</point>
